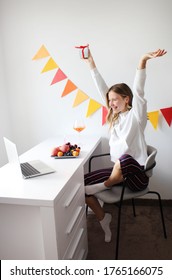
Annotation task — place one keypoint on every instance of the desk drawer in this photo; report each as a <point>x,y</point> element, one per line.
<point>73,189</point>
<point>77,249</point>
<point>69,221</point>
<point>68,212</point>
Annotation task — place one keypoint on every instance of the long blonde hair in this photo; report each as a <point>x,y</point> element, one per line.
<point>123,90</point>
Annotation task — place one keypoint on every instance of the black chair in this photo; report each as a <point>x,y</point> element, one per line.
<point>117,194</point>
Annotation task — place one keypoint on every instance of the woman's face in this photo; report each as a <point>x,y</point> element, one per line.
<point>117,102</point>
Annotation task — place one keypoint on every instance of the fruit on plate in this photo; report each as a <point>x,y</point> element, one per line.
<point>75,153</point>
<point>55,151</point>
<point>66,150</point>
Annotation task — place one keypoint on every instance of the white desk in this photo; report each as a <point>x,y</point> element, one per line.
<point>44,217</point>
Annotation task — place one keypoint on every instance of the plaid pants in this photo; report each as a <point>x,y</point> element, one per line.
<point>136,179</point>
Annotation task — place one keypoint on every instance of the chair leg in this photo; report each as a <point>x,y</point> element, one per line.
<point>86,210</point>
<point>119,222</point>
<point>134,210</point>
<point>161,211</point>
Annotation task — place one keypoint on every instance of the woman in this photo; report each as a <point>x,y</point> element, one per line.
<point>127,116</point>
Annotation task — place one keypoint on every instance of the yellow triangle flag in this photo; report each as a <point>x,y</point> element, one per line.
<point>50,65</point>
<point>93,106</point>
<point>41,53</point>
<point>80,97</point>
<point>153,117</point>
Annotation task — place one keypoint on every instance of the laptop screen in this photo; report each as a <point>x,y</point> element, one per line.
<point>12,155</point>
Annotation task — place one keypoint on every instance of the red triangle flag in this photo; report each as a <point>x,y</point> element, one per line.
<point>104,114</point>
<point>59,76</point>
<point>167,114</point>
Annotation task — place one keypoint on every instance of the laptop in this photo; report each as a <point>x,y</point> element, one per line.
<point>29,169</point>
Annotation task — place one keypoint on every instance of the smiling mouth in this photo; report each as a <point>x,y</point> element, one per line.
<point>114,108</point>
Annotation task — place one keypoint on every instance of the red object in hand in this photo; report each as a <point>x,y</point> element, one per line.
<point>83,51</point>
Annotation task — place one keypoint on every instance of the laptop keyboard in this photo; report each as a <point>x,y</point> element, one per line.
<point>28,170</point>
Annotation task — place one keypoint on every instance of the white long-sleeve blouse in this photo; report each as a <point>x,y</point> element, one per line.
<point>127,133</point>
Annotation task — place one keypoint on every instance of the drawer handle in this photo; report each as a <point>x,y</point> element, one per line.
<point>82,254</point>
<point>75,245</point>
<point>73,193</point>
<point>74,220</point>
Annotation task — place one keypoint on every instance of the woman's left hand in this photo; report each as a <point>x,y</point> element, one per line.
<point>150,55</point>
<point>154,54</point>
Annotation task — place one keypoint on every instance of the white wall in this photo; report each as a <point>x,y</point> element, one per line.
<point>5,128</point>
<point>118,33</point>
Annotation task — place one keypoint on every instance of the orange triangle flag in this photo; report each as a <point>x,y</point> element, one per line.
<point>68,88</point>
<point>59,76</point>
<point>42,53</point>
<point>153,117</point>
<point>80,97</point>
<point>93,106</point>
<point>50,65</point>
<point>167,113</point>
<point>104,114</point>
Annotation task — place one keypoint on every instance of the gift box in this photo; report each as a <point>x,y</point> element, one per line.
<point>83,51</point>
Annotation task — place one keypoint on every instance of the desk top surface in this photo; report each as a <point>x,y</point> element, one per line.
<point>43,190</point>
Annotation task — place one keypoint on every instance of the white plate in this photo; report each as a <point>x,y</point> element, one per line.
<point>64,157</point>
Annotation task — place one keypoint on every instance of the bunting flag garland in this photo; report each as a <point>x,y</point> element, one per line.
<point>167,114</point>
<point>68,88</point>
<point>50,65</point>
<point>153,117</point>
<point>80,97</point>
<point>59,76</point>
<point>93,106</point>
<point>42,53</point>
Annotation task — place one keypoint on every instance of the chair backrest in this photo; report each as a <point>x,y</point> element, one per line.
<point>150,160</point>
